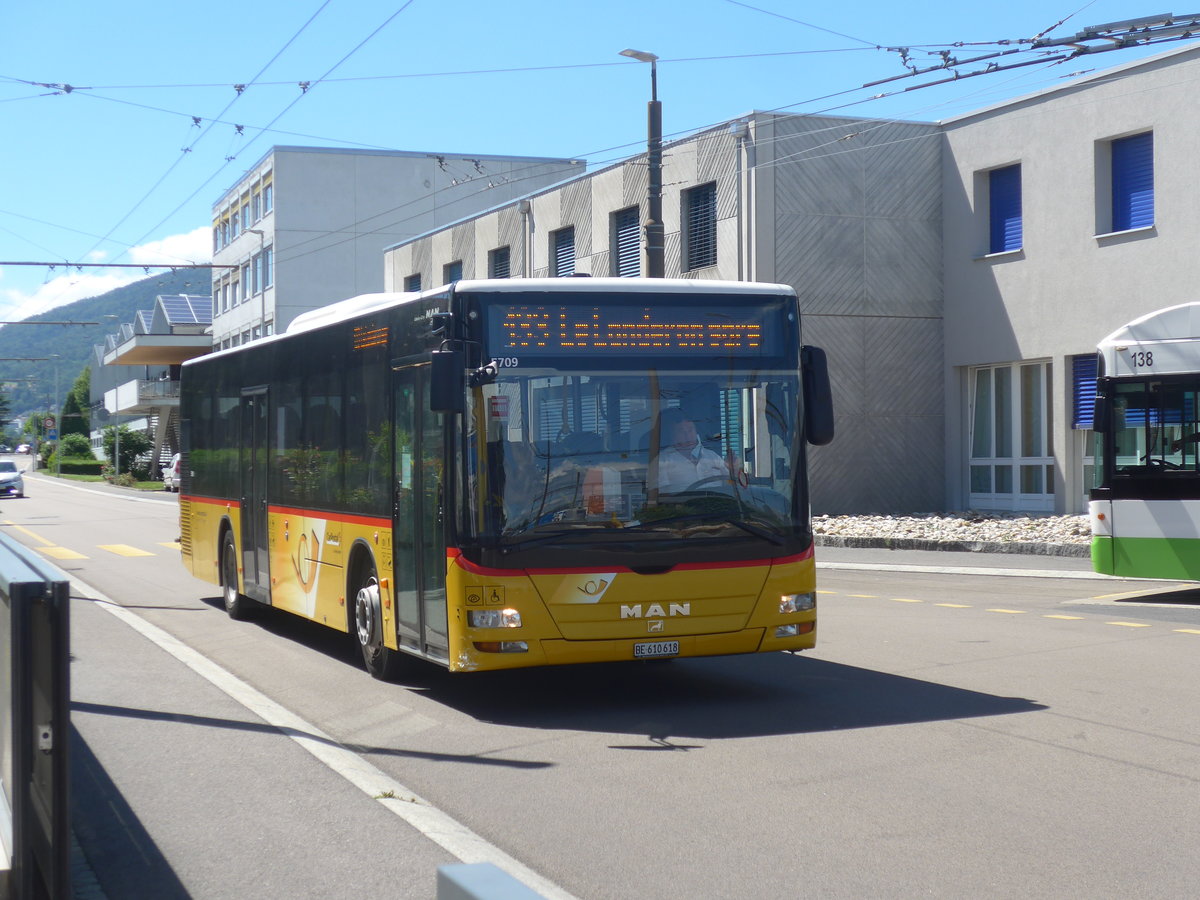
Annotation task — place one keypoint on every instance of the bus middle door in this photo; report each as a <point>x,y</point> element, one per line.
<point>255,564</point>
<point>419,543</point>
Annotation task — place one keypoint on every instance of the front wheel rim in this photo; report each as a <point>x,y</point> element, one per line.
<point>366,614</point>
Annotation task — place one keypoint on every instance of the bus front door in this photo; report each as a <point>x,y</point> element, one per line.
<point>255,567</point>
<point>419,545</point>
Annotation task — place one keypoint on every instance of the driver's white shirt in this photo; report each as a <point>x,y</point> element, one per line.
<point>677,471</point>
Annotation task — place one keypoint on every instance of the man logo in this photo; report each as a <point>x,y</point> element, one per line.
<point>655,610</point>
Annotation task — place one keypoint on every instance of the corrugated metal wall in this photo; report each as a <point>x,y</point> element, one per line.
<point>857,232</point>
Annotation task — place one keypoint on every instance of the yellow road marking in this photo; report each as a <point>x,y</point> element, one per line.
<point>1011,612</point>
<point>170,545</point>
<point>864,596</point>
<point>956,605</point>
<point>1061,617</point>
<point>124,550</point>
<point>826,592</point>
<point>1129,624</point>
<point>905,600</point>
<point>60,553</point>
<point>37,537</point>
<point>1187,631</point>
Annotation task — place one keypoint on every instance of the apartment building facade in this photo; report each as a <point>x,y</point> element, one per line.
<point>305,226</point>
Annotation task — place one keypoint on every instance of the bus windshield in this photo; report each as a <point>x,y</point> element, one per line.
<point>560,462</point>
<point>1155,432</point>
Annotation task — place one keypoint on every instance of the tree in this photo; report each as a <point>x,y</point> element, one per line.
<point>133,445</point>
<point>75,418</point>
<point>72,420</point>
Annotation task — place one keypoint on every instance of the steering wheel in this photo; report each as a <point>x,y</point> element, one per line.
<point>1161,463</point>
<point>710,479</point>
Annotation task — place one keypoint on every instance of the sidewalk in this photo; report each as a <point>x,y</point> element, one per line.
<point>180,791</point>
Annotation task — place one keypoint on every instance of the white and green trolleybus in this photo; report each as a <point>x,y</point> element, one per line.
<point>1145,504</point>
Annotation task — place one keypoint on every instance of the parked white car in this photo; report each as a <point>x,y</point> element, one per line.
<point>11,480</point>
<point>171,475</point>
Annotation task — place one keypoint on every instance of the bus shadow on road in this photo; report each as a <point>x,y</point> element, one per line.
<point>717,697</point>
<point>727,697</point>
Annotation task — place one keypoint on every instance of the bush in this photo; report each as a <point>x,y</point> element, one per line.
<point>75,446</point>
<point>80,466</point>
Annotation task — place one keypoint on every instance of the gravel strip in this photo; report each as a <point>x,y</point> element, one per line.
<point>974,531</point>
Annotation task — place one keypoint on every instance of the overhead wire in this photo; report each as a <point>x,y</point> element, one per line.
<point>327,79</point>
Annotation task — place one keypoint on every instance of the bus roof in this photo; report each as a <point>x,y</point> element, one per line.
<point>1170,333</point>
<point>367,303</point>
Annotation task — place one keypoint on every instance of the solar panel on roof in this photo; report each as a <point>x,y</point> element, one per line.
<point>186,309</point>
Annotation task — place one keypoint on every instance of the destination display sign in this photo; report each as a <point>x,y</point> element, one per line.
<point>526,329</point>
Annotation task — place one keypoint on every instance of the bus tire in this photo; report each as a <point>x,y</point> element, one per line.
<point>367,626</point>
<point>237,605</point>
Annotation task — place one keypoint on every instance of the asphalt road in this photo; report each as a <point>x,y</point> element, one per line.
<point>955,734</point>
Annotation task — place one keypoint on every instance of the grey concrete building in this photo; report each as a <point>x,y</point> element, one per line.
<point>853,224</point>
<point>305,226</point>
<point>958,273</point>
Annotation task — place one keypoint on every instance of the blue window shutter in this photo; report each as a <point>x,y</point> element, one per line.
<point>1005,206</point>
<point>1133,182</point>
<point>1084,376</point>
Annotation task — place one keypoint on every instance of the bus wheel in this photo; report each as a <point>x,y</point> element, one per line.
<point>237,605</point>
<point>381,661</point>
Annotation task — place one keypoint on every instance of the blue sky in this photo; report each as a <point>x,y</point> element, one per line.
<point>126,165</point>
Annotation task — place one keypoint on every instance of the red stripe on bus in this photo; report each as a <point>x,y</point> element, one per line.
<point>455,555</point>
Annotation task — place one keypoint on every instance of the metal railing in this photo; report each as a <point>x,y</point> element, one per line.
<point>35,846</point>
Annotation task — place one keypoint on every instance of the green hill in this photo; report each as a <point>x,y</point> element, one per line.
<point>30,386</point>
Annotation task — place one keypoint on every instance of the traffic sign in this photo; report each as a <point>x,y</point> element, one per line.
<point>49,423</point>
<point>52,434</point>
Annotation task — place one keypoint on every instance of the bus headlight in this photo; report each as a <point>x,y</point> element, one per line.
<point>493,618</point>
<point>792,603</point>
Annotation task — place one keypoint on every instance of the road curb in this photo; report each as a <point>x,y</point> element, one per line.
<point>886,543</point>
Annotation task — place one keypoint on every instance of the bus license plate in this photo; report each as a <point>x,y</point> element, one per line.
<point>655,648</point>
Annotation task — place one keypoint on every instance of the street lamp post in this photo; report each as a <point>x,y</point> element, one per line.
<point>655,238</point>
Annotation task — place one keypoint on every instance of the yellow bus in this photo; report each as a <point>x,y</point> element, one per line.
<point>517,472</point>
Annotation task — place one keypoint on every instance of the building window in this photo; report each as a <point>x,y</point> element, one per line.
<point>216,238</point>
<point>626,250</point>
<point>499,262</point>
<point>245,280</point>
<point>268,194</point>
<point>1004,209</point>
<point>700,226</point>
<point>412,283</point>
<point>268,273</point>
<point>452,272</point>
<point>1011,437</point>
<point>562,248</point>
<point>1133,182</point>
<point>256,205</point>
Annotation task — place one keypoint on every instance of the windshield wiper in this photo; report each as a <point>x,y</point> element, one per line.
<point>755,530</point>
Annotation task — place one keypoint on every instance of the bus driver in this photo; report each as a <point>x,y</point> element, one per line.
<point>684,461</point>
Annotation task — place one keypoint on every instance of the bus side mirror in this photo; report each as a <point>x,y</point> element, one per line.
<point>446,387</point>
<point>818,398</point>
<point>1101,415</point>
